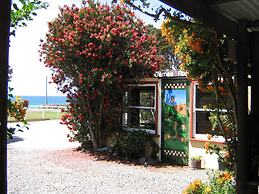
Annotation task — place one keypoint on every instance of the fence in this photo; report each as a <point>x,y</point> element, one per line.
<point>44,112</point>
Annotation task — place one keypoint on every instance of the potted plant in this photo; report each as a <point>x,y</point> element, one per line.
<point>196,162</point>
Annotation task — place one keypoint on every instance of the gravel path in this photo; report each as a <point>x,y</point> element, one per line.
<point>41,161</point>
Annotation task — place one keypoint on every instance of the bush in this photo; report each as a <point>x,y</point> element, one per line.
<point>16,109</point>
<point>133,145</point>
<point>195,187</point>
<point>220,182</point>
<point>92,51</point>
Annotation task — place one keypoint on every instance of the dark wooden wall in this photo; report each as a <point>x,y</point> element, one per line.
<point>253,117</point>
<point>4,48</point>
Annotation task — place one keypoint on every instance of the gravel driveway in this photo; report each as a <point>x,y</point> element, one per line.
<point>42,161</point>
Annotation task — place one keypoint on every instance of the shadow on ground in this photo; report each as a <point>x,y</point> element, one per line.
<point>14,139</point>
<point>109,157</point>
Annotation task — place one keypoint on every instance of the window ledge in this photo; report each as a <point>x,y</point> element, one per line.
<point>192,139</point>
<point>150,131</point>
<point>155,135</point>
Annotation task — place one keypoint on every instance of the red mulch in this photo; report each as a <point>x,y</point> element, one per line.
<point>73,158</point>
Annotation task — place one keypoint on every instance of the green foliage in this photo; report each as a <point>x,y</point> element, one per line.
<point>226,121</point>
<point>196,158</point>
<point>17,110</point>
<point>165,49</point>
<point>196,187</point>
<point>224,154</point>
<point>23,11</point>
<point>220,182</point>
<point>133,145</point>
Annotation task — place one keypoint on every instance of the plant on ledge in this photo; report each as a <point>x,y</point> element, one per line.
<point>196,162</point>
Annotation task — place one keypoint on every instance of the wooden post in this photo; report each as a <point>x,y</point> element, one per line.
<point>4,52</point>
<point>254,150</point>
<point>242,162</point>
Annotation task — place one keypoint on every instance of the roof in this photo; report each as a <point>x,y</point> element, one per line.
<point>237,10</point>
<point>224,15</point>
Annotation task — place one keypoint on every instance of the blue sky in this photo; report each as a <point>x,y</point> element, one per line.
<point>179,95</point>
<point>29,74</point>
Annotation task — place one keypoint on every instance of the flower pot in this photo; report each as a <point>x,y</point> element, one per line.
<point>196,164</point>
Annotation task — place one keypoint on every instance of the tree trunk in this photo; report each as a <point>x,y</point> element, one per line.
<point>93,138</point>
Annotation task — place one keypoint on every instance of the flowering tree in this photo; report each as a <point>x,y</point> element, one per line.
<point>165,49</point>
<point>202,54</point>
<point>92,51</point>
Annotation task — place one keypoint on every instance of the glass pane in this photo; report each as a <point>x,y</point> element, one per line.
<point>142,96</point>
<point>204,98</point>
<point>203,125</point>
<point>133,117</point>
<point>139,118</point>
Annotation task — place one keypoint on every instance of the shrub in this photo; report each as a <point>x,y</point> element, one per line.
<point>92,51</point>
<point>220,182</point>
<point>196,187</point>
<point>133,145</point>
<point>16,109</point>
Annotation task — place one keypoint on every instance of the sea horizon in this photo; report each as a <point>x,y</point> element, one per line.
<point>35,101</point>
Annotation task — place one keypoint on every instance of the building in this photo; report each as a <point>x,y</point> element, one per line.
<point>171,108</point>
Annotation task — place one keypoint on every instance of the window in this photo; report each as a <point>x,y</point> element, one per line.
<point>140,108</point>
<point>201,123</point>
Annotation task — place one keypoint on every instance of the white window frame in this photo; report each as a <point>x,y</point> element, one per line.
<point>196,135</point>
<point>151,131</point>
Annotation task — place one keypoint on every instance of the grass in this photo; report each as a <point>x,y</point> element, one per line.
<point>42,115</point>
<point>38,115</point>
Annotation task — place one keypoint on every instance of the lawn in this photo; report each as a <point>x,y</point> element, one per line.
<point>41,114</point>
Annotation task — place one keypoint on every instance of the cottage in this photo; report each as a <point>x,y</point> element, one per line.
<point>171,108</point>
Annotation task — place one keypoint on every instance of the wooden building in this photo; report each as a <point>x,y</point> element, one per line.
<point>171,108</point>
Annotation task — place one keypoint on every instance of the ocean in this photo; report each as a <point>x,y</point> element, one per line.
<point>35,101</point>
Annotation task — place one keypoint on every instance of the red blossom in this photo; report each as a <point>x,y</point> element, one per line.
<point>91,51</point>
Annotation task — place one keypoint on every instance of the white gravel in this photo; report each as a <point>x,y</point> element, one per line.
<point>42,161</point>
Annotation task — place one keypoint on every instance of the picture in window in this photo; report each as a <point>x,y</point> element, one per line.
<point>175,115</point>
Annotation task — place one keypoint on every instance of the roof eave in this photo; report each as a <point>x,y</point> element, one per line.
<point>200,10</point>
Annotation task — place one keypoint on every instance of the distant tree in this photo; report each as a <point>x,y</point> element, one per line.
<point>164,48</point>
<point>92,52</point>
